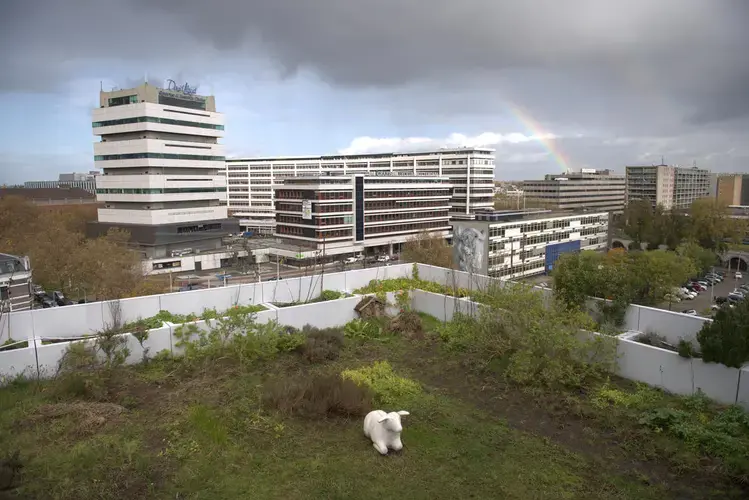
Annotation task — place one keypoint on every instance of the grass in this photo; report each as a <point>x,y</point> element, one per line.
<point>165,431</point>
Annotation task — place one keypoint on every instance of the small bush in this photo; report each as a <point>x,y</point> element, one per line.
<point>321,345</point>
<point>363,329</point>
<point>389,388</point>
<point>685,349</point>
<point>322,395</point>
<point>330,295</point>
<point>290,342</point>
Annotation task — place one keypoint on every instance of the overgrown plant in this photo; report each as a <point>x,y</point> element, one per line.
<point>110,341</point>
<point>726,339</point>
<point>529,341</point>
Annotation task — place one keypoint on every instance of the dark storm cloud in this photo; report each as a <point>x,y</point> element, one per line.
<point>689,50</point>
<point>632,68</point>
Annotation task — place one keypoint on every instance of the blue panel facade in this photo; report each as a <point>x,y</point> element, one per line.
<point>554,251</point>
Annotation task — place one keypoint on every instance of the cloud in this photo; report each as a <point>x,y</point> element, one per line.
<point>367,145</point>
<point>614,80</point>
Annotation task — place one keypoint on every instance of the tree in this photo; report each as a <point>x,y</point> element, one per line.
<point>62,258</point>
<point>638,220</point>
<point>726,339</point>
<point>710,226</point>
<point>702,258</point>
<point>426,248</point>
<point>656,273</point>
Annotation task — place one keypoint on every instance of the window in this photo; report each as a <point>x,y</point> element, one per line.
<point>164,156</point>
<point>121,101</point>
<point>153,119</point>
<point>198,228</point>
<point>160,190</point>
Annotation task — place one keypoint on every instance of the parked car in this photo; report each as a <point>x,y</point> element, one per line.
<point>691,312</point>
<point>740,293</point>
<point>60,299</point>
<point>738,275</point>
<point>383,258</point>
<point>699,286</point>
<point>669,297</point>
<point>714,277</point>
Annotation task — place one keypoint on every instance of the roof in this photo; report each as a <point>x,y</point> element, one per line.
<point>59,193</point>
<point>364,156</point>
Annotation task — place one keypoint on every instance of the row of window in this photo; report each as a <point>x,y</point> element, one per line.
<point>120,101</point>
<point>163,156</point>
<point>393,204</point>
<point>407,194</point>
<point>414,226</point>
<point>405,216</point>
<point>161,190</point>
<point>153,119</point>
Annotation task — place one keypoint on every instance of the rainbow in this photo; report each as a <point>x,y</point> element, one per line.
<point>546,139</point>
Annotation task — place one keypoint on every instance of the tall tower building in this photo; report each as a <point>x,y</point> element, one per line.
<point>162,168</point>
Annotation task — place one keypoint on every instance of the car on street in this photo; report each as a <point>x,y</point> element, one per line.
<point>699,286</point>
<point>383,258</point>
<point>691,312</point>
<point>738,275</point>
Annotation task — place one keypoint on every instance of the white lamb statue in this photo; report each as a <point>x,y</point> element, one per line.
<point>384,429</point>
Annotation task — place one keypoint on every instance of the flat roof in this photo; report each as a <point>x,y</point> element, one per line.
<point>333,157</point>
<point>503,216</point>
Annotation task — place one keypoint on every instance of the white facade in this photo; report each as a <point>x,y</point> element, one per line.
<point>251,198</point>
<point>161,164</point>
<point>515,245</point>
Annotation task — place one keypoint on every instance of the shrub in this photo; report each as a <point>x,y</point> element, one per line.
<point>408,324</point>
<point>290,342</point>
<point>389,389</point>
<point>322,395</point>
<point>363,329</point>
<point>685,349</point>
<point>330,295</point>
<point>726,339</point>
<point>321,345</point>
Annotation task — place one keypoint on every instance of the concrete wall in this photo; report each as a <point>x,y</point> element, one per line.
<point>322,314</point>
<point>671,325</point>
<point>85,319</point>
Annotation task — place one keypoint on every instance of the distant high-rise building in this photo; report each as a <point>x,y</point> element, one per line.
<point>251,198</point>
<point>733,189</point>
<point>163,169</point>
<point>666,185</point>
<point>587,189</point>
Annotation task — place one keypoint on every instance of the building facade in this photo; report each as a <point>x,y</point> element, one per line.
<point>733,189</point>
<point>51,197</point>
<point>84,181</point>
<point>15,283</point>
<point>587,189</point>
<point>512,244</point>
<point>666,185</point>
<point>251,198</point>
<point>162,169</point>
<point>343,214</point>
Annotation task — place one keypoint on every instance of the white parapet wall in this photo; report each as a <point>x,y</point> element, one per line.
<point>86,319</point>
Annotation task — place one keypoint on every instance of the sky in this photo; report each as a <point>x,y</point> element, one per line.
<point>549,84</point>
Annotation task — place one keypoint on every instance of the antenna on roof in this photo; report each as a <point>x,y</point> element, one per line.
<point>662,160</point>
<point>101,86</point>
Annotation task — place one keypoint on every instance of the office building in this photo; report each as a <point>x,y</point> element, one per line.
<point>79,180</point>
<point>251,198</point>
<point>733,189</point>
<point>670,186</point>
<point>15,283</point>
<point>162,169</point>
<point>51,197</point>
<point>515,244</point>
<point>343,214</point>
<point>588,189</point>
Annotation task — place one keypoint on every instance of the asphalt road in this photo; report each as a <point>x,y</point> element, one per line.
<point>702,302</point>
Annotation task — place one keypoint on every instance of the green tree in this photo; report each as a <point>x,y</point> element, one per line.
<point>726,339</point>
<point>638,220</point>
<point>710,225</point>
<point>656,273</point>
<point>702,258</point>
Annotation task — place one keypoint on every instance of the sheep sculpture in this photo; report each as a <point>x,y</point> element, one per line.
<point>384,429</point>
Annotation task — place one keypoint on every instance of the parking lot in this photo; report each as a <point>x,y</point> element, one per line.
<point>702,302</point>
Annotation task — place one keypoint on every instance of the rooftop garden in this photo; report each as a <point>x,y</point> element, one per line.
<point>501,406</point>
